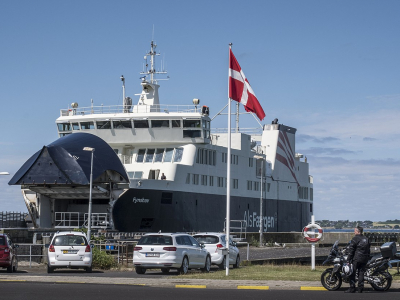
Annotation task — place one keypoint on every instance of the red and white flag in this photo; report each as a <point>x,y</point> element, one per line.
<point>240,89</point>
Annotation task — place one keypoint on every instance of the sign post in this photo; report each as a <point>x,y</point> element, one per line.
<point>310,230</point>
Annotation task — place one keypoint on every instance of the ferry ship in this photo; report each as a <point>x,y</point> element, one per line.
<point>176,166</point>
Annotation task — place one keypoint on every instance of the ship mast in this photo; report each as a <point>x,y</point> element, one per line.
<point>152,71</point>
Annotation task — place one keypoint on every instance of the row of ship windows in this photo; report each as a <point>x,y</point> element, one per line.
<point>126,124</point>
<point>159,155</point>
<point>197,179</point>
<point>306,193</point>
<point>208,157</point>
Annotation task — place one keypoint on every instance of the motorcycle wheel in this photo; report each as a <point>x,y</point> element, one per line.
<point>331,283</point>
<point>384,282</point>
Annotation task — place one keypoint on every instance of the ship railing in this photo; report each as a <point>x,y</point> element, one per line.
<point>77,219</point>
<point>99,220</point>
<point>249,131</point>
<point>68,219</point>
<point>115,109</point>
<point>241,226</point>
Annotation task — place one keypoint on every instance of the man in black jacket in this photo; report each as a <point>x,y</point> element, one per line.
<point>359,252</point>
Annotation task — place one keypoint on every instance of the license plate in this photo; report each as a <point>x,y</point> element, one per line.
<point>152,254</point>
<point>70,251</point>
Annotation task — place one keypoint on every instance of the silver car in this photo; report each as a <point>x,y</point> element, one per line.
<point>69,250</point>
<point>214,243</point>
<point>168,251</point>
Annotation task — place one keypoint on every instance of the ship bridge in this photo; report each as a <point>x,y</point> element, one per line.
<point>55,181</point>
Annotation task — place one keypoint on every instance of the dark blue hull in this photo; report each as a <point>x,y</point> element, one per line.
<point>140,210</point>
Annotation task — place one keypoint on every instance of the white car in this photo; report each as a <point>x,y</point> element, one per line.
<point>214,243</point>
<point>167,251</point>
<point>69,250</point>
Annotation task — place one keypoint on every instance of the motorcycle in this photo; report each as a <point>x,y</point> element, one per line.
<point>376,271</point>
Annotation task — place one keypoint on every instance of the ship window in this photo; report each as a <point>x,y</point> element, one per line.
<point>192,123</point>
<point>176,123</point>
<point>195,179</point>
<point>249,185</point>
<point>251,161</point>
<point>168,154</point>
<point>203,179</point>
<point>141,123</point>
<point>87,125</point>
<point>268,187</point>
<point>178,154</point>
<point>159,155</point>
<point>188,178</point>
<point>140,155</point>
<point>103,124</point>
<point>135,175</point>
<point>64,134</point>
<point>191,133</point>
<point>122,124</point>
<point>149,155</point>
<point>211,180</point>
<point>64,126</point>
<point>311,194</point>
<point>153,174</point>
<point>159,123</point>
<point>75,126</point>
<point>256,186</point>
<point>206,134</point>
<point>235,183</point>
<point>220,181</point>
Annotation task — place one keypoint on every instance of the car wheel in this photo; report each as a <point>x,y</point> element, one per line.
<point>165,270</point>
<point>49,269</point>
<point>88,270</point>
<point>185,266</point>
<point>15,266</point>
<point>10,268</point>
<point>207,264</point>
<point>140,270</point>
<point>237,263</point>
<point>223,264</point>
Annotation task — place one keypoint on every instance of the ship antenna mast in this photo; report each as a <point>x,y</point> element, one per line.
<point>152,71</point>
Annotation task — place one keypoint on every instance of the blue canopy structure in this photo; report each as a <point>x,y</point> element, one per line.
<point>64,162</point>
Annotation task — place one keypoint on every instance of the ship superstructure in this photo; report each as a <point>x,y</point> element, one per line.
<point>177,167</point>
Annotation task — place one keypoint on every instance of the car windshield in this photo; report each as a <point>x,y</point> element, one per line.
<point>155,240</point>
<point>207,239</point>
<point>69,240</point>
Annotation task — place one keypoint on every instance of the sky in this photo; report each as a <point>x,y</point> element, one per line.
<point>331,69</point>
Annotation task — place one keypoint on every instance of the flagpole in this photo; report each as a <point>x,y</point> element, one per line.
<point>228,182</point>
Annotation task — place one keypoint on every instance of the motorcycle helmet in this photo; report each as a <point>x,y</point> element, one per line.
<point>347,269</point>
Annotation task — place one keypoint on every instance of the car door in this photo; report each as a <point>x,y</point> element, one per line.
<point>200,253</point>
<point>233,252</point>
<point>191,251</point>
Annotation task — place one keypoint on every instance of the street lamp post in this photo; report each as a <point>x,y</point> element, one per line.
<point>90,193</point>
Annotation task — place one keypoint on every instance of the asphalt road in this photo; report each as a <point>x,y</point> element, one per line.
<point>64,291</point>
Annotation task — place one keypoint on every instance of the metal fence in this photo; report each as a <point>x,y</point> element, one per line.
<point>12,219</point>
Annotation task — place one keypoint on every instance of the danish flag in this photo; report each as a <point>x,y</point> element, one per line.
<point>240,89</point>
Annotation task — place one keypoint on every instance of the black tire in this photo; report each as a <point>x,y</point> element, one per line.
<point>331,283</point>
<point>49,269</point>
<point>385,281</point>
<point>207,265</point>
<point>140,270</point>
<point>11,267</point>
<point>88,270</point>
<point>237,262</point>
<point>222,265</point>
<point>165,270</point>
<point>184,267</point>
